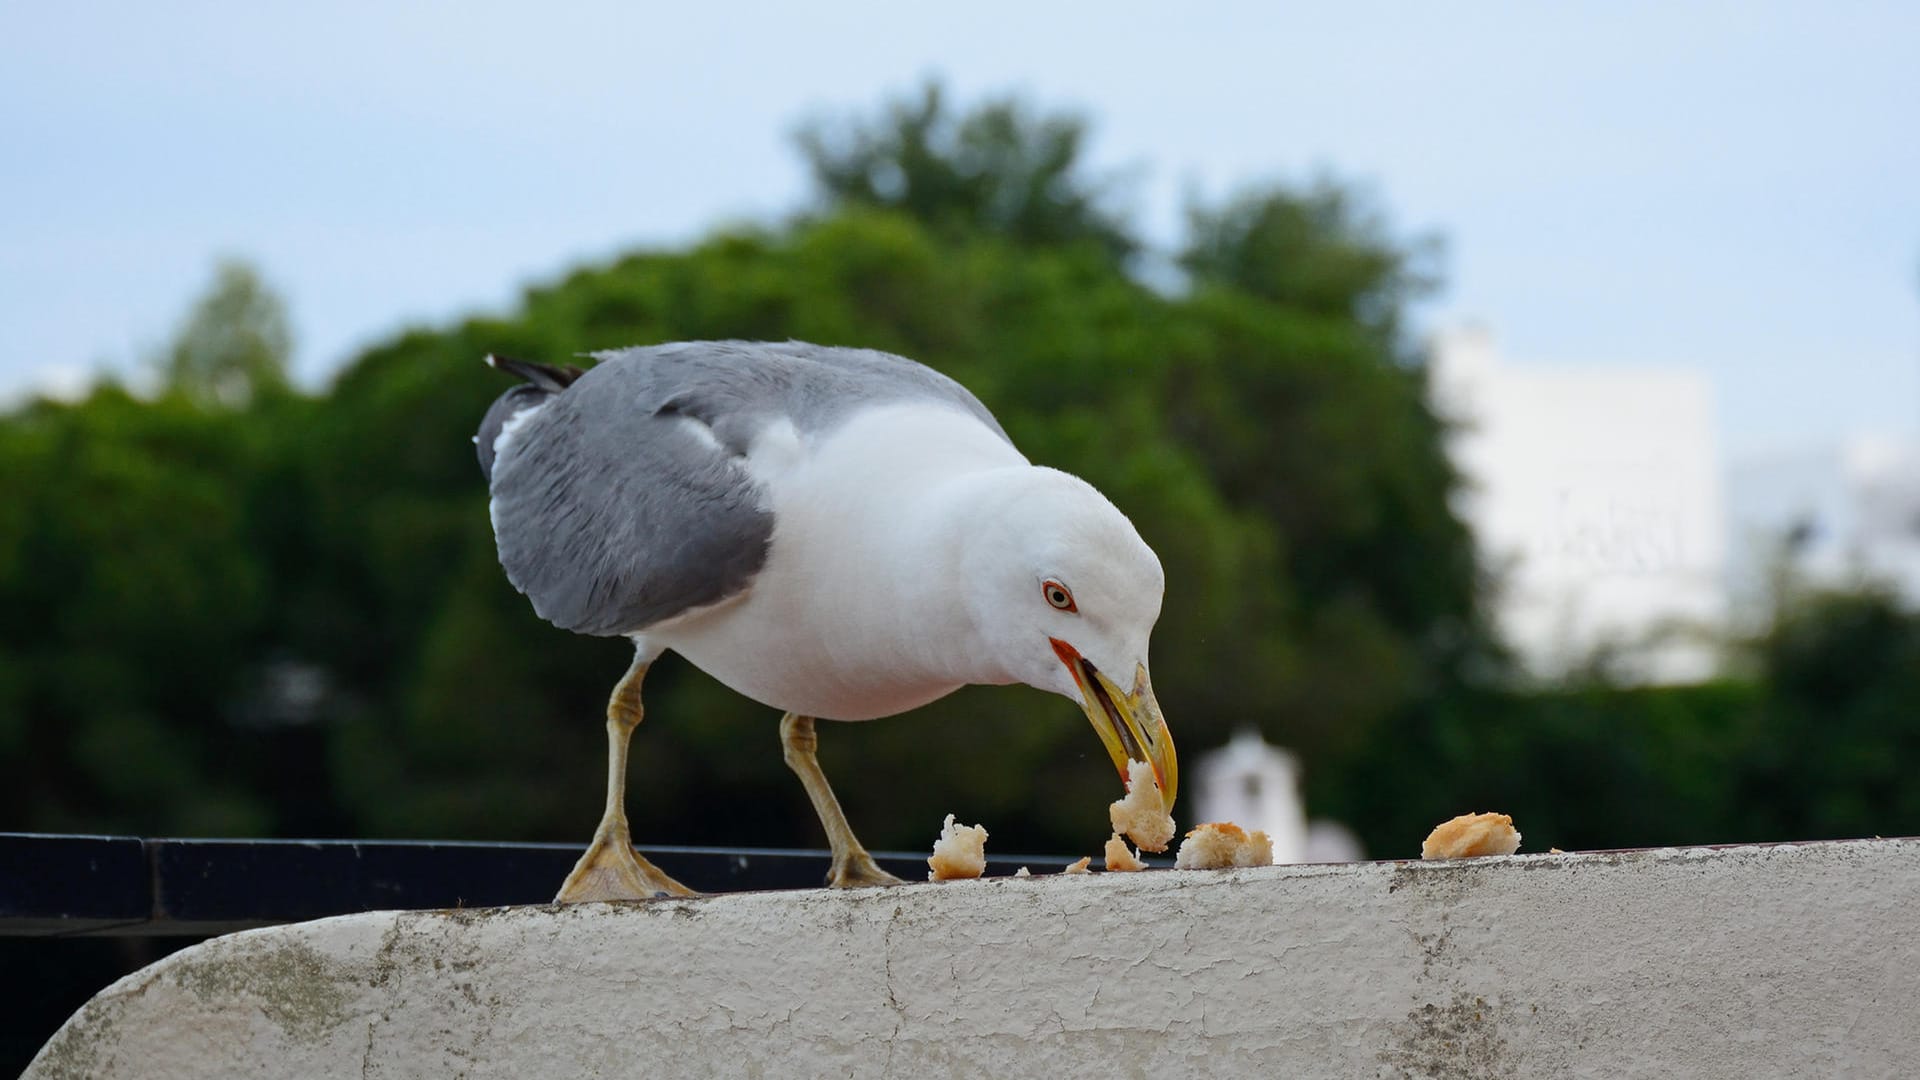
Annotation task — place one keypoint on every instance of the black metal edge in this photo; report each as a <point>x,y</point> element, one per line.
<point>125,886</point>
<point>73,880</point>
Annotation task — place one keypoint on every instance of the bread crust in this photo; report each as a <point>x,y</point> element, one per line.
<point>959,853</point>
<point>1142,815</point>
<point>1119,858</point>
<point>1220,845</point>
<point>1471,836</point>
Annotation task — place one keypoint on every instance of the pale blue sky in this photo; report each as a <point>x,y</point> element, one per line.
<point>1733,187</point>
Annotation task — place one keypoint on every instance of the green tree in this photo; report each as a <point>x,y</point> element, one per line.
<point>998,169</point>
<point>1307,413</point>
<point>1839,736</point>
<point>1322,251</point>
<point>234,344</point>
<point>132,593</point>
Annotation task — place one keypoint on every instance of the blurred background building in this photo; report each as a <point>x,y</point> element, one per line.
<point>1595,495</point>
<point>1616,533</point>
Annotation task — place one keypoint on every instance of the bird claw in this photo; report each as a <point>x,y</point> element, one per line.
<point>615,871</point>
<point>857,870</point>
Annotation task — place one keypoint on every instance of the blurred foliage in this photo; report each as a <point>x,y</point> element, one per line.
<point>1818,744</point>
<point>131,582</point>
<point>997,169</point>
<point>235,342</point>
<point>1840,736</point>
<point>237,609</point>
<point>1321,251</point>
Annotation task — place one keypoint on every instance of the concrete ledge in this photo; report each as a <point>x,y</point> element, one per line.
<point>1798,960</point>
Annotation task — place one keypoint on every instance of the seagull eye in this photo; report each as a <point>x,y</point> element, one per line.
<point>1058,595</point>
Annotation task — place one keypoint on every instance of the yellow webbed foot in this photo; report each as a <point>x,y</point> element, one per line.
<point>612,870</point>
<point>856,869</point>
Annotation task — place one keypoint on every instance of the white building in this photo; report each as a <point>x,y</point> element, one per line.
<point>1595,496</point>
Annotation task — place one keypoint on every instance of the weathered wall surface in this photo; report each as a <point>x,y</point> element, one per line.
<point>1754,961</point>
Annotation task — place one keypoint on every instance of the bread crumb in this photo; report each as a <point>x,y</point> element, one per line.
<point>1079,867</point>
<point>1221,844</point>
<point>1555,851</point>
<point>1119,858</point>
<point>961,852</point>
<point>1142,815</point>
<point>1471,836</point>
<point>1023,872</point>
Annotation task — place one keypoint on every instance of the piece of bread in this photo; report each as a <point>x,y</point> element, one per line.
<point>1079,867</point>
<point>961,852</point>
<point>1142,815</point>
<point>1471,836</point>
<point>1119,858</point>
<point>1218,845</point>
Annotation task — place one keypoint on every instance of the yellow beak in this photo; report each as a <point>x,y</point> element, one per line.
<point>1129,723</point>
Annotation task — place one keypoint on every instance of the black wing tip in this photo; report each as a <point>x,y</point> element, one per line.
<point>548,377</point>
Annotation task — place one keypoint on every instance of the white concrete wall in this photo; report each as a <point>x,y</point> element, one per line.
<point>1741,962</point>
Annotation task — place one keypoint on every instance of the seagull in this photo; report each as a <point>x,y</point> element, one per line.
<point>835,533</point>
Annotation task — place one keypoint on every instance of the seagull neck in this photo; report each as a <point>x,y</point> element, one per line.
<point>959,530</point>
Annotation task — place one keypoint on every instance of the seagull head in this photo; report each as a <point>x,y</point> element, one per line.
<point>1065,594</point>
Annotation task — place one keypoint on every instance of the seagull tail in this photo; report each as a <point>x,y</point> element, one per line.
<point>547,377</point>
<point>542,381</point>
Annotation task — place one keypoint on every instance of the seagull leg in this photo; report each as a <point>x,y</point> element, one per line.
<point>851,863</point>
<point>611,869</point>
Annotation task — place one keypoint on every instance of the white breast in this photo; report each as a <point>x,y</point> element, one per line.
<point>853,616</point>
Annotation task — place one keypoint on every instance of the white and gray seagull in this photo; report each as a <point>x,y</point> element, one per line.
<point>835,533</point>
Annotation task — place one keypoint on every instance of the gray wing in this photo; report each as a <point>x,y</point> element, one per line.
<point>614,510</point>
<point>736,387</point>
